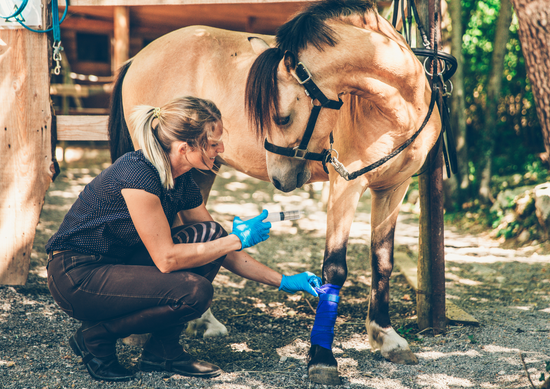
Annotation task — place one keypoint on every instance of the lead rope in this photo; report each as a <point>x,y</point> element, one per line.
<point>57,48</point>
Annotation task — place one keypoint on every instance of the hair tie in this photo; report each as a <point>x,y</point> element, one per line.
<point>156,112</point>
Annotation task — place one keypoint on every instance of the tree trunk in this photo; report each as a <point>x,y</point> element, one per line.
<point>534,34</point>
<point>493,95</point>
<point>457,186</point>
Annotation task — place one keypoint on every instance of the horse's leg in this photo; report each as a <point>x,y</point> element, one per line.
<point>385,209</point>
<point>211,325</point>
<point>343,199</point>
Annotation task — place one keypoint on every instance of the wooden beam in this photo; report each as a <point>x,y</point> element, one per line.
<point>121,49</point>
<point>79,3</point>
<point>453,313</point>
<point>25,147</point>
<point>77,90</point>
<point>82,127</point>
<point>84,24</point>
<point>431,257</point>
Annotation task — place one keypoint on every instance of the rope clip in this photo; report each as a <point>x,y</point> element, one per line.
<point>57,48</point>
<point>337,165</point>
<point>445,93</point>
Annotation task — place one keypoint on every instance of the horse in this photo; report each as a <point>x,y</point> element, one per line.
<point>336,89</point>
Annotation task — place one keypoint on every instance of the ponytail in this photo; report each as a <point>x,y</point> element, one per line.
<point>145,134</point>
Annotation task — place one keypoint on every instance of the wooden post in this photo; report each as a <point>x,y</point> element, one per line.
<point>431,259</point>
<point>25,147</point>
<point>121,52</point>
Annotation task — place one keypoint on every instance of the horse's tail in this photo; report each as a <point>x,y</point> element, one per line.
<point>119,136</point>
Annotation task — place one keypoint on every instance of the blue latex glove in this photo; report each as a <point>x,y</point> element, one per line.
<point>252,231</point>
<point>305,281</point>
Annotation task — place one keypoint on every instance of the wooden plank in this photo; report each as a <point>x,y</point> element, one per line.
<point>121,49</point>
<point>25,147</point>
<point>408,267</point>
<point>76,90</point>
<point>80,3</point>
<point>82,127</point>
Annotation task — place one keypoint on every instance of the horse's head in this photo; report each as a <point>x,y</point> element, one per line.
<point>279,108</point>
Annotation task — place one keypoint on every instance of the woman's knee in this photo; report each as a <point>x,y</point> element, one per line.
<point>197,294</point>
<point>198,232</point>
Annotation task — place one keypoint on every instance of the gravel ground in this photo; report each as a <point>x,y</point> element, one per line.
<point>508,292</point>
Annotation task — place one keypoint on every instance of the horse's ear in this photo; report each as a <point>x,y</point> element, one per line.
<point>290,61</point>
<point>258,44</point>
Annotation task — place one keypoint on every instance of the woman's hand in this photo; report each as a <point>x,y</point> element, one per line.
<point>305,281</point>
<point>252,231</point>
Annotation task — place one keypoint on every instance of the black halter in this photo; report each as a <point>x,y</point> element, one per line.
<point>301,151</point>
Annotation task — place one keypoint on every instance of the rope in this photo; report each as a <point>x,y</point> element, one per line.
<point>57,48</point>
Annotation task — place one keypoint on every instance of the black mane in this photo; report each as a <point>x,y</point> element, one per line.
<point>307,27</point>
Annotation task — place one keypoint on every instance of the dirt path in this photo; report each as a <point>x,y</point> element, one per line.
<point>508,291</point>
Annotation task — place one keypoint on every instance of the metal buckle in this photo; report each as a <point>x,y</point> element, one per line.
<point>308,74</point>
<point>299,153</point>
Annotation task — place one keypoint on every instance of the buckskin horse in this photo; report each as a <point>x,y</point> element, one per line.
<point>336,90</point>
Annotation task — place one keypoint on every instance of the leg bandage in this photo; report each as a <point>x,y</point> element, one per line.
<point>322,333</point>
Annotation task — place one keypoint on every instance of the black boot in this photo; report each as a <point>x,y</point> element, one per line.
<point>101,367</point>
<point>184,364</point>
<point>163,352</point>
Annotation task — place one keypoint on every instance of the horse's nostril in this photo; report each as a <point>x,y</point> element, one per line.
<point>276,183</point>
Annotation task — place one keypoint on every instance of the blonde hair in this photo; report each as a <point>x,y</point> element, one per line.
<point>187,119</point>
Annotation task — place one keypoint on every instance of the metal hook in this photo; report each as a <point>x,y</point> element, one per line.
<point>57,48</point>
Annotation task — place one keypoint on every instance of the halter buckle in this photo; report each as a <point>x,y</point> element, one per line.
<point>302,82</point>
<point>300,153</point>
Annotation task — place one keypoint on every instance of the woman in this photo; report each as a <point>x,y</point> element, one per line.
<point>116,265</point>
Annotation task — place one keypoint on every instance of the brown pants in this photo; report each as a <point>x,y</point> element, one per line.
<point>98,288</point>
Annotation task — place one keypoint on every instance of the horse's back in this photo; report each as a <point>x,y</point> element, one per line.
<point>196,60</point>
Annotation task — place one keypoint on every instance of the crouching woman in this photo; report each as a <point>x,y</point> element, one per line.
<point>116,265</point>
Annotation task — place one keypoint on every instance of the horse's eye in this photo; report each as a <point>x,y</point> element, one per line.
<point>282,121</point>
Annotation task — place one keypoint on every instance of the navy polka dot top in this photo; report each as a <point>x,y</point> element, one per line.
<point>99,221</point>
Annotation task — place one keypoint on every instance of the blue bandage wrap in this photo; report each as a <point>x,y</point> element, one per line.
<point>322,333</point>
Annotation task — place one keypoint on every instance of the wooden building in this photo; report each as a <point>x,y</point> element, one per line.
<point>98,36</point>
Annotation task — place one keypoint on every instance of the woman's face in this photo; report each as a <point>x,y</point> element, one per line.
<point>195,156</point>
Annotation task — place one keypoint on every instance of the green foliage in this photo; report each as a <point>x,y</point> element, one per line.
<point>407,332</point>
<point>518,134</point>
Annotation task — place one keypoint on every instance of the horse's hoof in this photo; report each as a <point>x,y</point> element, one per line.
<point>322,367</point>
<point>214,330</point>
<point>402,357</point>
<point>191,329</point>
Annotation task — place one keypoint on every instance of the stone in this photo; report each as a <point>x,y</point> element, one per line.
<point>524,236</point>
<point>525,204</point>
<point>505,198</point>
<point>542,205</point>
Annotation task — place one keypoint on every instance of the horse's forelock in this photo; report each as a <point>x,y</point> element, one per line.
<point>262,92</point>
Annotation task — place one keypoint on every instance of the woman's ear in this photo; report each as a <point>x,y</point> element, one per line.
<point>182,148</point>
